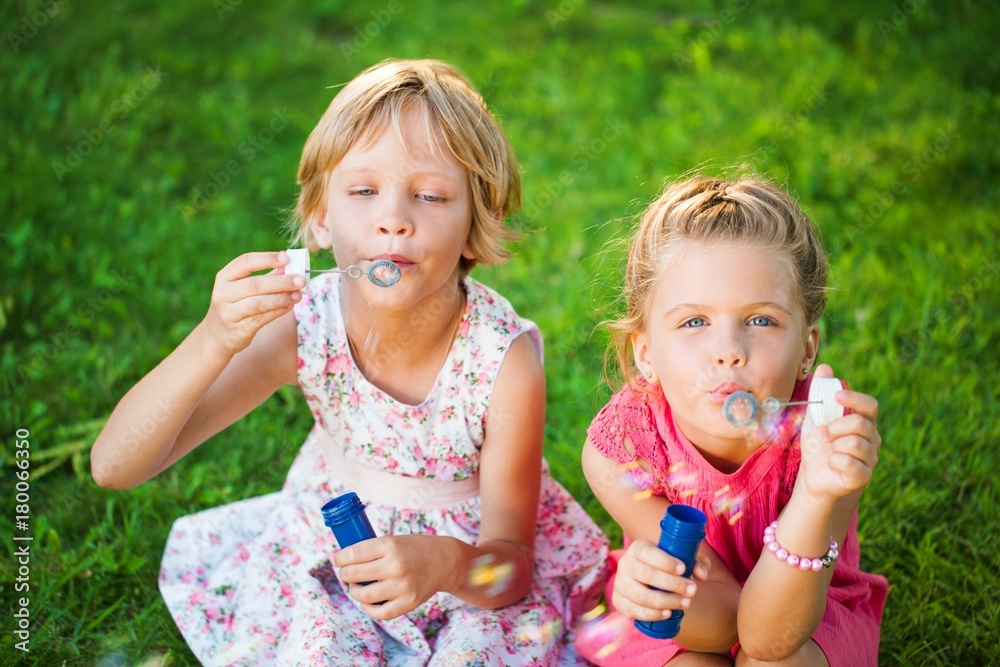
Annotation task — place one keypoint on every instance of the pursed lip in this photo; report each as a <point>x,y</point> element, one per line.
<point>397,259</point>
<point>722,392</point>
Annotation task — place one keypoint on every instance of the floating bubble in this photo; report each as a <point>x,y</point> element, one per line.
<point>605,631</point>
<point>541,634</point>
<point>487,573</point>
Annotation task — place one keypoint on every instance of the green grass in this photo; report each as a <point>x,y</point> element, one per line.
<point>109,263</point>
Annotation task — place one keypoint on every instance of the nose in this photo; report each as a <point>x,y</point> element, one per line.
<point>395,220</point>
<point>731,353</point>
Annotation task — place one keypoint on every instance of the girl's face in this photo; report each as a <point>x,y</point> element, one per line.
<point>397,198</point>
<point>724,317</point>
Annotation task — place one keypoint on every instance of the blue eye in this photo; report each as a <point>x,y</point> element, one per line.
<point>431,199</point>
<point>761,321</point>
<point>694,323</point>
<point>363,192</point>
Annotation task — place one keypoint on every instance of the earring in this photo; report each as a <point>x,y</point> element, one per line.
<point>649,375</point>
<point>805,371</point>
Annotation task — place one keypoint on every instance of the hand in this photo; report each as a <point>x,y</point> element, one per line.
<point>405,571</point>
<point>839,458</point>
<point>242,303</point>
<point>645,565</point>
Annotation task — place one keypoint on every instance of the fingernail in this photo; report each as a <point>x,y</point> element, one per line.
<point>666,613</point>
<point>685,602</point>
<point>282,257</point>
<point>680,569</point>
<point>690,590</point>
<point>296,296</point>
<point>298,281</point>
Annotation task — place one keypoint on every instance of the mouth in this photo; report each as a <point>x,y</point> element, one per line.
<point>400,260</point>
<point>722,392</point>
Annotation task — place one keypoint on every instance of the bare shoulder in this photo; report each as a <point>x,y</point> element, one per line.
<point>521,367</point>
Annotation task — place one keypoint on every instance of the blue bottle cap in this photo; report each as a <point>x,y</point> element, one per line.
<point>342,508</point>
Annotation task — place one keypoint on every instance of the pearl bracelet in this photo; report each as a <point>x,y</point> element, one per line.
<point>804,564</point>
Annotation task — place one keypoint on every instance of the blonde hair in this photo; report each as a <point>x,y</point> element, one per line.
<point>376,99</point>
<point>745,209</point>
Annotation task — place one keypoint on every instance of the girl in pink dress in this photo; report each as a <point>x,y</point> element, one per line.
<point>429,401</point>
<point>725,284</point>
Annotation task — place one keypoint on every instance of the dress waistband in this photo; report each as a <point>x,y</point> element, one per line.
<point>386,488</point>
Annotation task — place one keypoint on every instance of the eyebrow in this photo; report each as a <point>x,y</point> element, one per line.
<point>436,174</point>
<point>750,306</point>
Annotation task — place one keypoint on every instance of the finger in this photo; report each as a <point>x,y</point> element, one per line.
<point>262,285</point>
<point>247,263</point>
<point>853,424</point>
<point>646,604</point>
<point>386,611</point>
<point>652,556</point>
<point>824,371</point>
<point>256,311</point>
<point>361,552</point>
<point>671,595</point>
<point>862,404</point>
<point>854,474</point>
<point>249,326</point>
<point>858,447</point>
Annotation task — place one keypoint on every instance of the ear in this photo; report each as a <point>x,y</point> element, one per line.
<point>811,347</point>
<point>643,357</point>
<point>321,229</point>
<point>467,251</point>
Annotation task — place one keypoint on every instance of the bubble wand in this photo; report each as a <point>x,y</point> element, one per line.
<point>823,407</point>
<point>381,272</point>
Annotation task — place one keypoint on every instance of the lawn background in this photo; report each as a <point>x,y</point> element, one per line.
<point>118,118</point>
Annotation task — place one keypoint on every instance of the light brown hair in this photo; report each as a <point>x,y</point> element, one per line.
<point>745,209</point>
<point>453,110</point>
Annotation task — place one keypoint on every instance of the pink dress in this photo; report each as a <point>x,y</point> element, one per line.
<point>251,583</point>
<point>739,507</point>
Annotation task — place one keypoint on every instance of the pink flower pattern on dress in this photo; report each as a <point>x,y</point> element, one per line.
<point>251,583</point>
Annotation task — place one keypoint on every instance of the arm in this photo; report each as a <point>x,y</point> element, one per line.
<point>781,606</point>
<point>408,569</point>
<point>240,354</point>
<point>709,612</point>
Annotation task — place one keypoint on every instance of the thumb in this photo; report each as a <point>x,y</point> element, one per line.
<point>809,437</point>
<point>824,371</point>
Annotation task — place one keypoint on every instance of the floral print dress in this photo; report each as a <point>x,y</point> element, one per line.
<point>251,583</point>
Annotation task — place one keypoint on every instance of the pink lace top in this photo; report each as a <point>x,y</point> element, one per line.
<point>739,505</point>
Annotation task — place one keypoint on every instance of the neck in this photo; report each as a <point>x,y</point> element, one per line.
<point>402,351</point>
